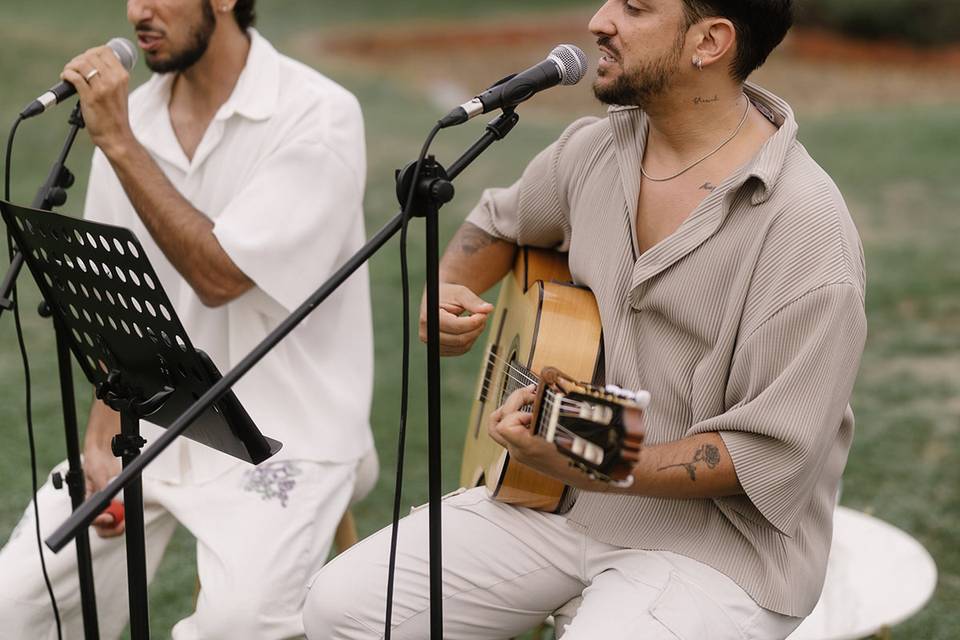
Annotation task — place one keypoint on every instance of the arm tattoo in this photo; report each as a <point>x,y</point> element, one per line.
<point>473,239</point>
<point>707,453</point>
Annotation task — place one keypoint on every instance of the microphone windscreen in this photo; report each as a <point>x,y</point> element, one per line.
<point>572,62</point>
<point>126,52</point>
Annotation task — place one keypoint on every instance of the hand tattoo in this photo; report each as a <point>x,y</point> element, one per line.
<point>707,453</point>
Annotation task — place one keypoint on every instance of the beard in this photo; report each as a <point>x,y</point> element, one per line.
<point>199,41</point>
<point>637,87</point>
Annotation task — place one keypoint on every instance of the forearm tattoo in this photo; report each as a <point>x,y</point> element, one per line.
<point>707,453</point>
<point>472,239</point>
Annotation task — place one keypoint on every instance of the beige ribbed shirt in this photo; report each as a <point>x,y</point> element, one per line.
<point>747,321</point>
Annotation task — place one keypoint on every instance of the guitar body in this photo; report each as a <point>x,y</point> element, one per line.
<point>540,320</point>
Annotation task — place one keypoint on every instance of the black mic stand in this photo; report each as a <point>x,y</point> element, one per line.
<point>433,189</point>
<point>53,194</point>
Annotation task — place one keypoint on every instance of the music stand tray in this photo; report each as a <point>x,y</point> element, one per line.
<point>131,346</point>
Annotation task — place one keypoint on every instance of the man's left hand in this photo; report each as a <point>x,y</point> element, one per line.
<point>509,426</point>
<point>101,81</point>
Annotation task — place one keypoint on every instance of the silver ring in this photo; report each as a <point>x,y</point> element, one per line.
<point>89,76</point>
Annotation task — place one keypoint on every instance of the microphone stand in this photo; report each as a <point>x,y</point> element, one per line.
<point>433,189</point>
<point>53,194</point>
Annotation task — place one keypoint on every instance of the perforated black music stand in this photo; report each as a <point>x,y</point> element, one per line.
<point>132,347</point>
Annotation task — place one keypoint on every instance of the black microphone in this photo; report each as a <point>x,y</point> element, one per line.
<point>565,65</point>
<point>124,50</point>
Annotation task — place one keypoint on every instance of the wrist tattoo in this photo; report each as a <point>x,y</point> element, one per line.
<point>707,453</point>
<point>473,239</point>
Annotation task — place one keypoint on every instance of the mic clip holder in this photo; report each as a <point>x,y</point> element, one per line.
<point>434,188</point>
<point>435,185</point>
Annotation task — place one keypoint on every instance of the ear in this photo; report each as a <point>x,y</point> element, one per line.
<point>715,38</point>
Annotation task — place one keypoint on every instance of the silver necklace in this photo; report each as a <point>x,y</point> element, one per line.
<point>722,145</point>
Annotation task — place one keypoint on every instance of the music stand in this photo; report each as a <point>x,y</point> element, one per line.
<point>131,346</point>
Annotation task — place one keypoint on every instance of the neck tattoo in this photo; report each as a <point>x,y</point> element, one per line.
<point>733,135</point>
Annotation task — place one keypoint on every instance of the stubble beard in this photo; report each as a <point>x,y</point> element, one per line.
<point>639,86</point>
<point>199,42</point>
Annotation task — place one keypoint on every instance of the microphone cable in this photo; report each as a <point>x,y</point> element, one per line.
<point>405,377</point>
<point>15,299</point>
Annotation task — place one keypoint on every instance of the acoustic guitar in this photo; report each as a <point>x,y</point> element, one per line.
<point>546,331</point>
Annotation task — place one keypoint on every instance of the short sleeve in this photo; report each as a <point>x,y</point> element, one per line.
<point>287,228</point>
<point>789,392</point>
<point>535,210</point>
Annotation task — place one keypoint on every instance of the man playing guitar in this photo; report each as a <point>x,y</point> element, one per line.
<point>729,279</point>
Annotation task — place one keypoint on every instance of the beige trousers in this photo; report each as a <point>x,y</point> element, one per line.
<point>261,533</point>
<point>506,569</point>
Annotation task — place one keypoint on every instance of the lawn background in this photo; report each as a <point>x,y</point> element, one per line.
<point>896,165</point>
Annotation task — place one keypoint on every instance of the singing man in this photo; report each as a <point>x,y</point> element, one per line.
<point>242,173</point>
<point>730,283</point>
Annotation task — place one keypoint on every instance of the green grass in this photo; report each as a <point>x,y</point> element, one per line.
<point>895,166</point>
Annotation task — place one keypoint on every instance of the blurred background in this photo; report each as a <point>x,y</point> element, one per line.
<point>876,88</point>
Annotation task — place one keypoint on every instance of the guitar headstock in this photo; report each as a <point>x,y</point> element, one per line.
<point>599,428</point>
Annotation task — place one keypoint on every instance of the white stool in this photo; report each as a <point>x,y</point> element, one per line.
<point>877,577</point>
<point>368,470</point>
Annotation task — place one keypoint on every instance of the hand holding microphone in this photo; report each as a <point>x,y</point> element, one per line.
<point>122,49</point>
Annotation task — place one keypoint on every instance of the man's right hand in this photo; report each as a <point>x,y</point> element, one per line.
<point>458,332</point>
<point>100,466</point>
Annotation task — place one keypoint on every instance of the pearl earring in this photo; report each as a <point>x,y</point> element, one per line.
<point>698,62</point>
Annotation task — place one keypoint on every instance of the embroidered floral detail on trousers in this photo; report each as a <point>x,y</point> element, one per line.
<point>273,480</point>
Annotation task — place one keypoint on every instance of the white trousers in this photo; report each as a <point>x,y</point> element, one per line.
<point>261,533</point>
<point>506,569</point>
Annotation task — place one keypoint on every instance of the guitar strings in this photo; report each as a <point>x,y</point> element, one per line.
<point>520,375</point>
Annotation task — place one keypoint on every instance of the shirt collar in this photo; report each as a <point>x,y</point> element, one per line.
<point>255,96</point>
<point>766,166</point>
<point>257,92</point>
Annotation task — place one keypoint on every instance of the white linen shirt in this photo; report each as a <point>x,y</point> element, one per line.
<point>280,171</point>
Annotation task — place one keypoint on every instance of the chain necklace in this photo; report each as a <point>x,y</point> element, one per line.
<point>733,135</point>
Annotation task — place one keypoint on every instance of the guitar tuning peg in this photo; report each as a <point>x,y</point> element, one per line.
<point>642,398</point>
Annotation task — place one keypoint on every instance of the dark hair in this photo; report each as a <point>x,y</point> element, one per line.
<point>761,25</point>
<point>244,13</point>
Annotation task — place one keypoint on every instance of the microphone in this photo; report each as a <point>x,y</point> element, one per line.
<point>124,50</point>
<point>565,65</point>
